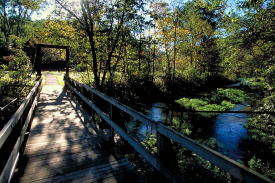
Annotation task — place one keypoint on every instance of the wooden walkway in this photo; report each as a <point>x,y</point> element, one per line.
<point>65,145</point>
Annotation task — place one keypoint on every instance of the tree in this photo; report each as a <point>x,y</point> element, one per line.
<point>105,23</point>
<point>249,44</point>
<point>201,19</point>
<point>14,14</point>
<point>162,17</point>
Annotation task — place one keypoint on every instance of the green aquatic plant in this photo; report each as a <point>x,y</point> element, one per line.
<point>234,95</point>
<point>227,104</point>
<point>201,105</point>
<point>151,144</point>
<point>219,100</point>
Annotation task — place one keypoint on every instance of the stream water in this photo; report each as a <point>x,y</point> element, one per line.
<point>231,135</point>
<point>227,128</point>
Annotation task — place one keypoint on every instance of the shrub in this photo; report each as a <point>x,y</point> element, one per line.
<point>15,75</point>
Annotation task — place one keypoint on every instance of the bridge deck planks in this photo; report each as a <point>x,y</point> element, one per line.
<point>64,145</point>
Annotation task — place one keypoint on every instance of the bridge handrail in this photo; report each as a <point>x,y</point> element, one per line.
<point>236,169</point>
<point>13,133</point>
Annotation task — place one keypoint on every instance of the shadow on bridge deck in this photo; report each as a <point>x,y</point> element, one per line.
<point>65,145</point>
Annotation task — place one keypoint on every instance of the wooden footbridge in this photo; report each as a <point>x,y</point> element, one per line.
<point>54,139</point>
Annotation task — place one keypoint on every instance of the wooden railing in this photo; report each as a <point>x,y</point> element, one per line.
<point>13,134</point>
<point>94,99</point>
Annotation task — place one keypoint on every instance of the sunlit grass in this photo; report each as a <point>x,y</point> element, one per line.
<point>83,77</point>
<point>43,79</point>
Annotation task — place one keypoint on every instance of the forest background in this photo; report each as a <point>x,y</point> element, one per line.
<point>166,48</point>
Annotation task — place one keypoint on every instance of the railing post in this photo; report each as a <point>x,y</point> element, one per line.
<point>112,132</point>
<point>93,112</point>
<point>160,148</point>
<point>74,86</point>
<point>81,89</point>
<point>1,115</point>
<point>165,152</point>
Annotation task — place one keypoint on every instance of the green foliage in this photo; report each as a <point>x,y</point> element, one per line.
<point>227,96</point>
<point>193,167</point>
<point>191,104</point>
<point>262,126</point>
<point>192,75</point>
<point>15,73</point>
<point>196,169</point>
<point>80,67</point>
<point>14,15</point>
<point>264,168</point>
<point>262,129</point>
<point>16,79</point>
<point>227,104</point>
<point>248,48</point>
<point>253,82</point>
<point>200,20</point>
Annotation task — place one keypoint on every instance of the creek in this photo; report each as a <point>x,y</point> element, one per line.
<point>231,135</point>
<point>228,129</point>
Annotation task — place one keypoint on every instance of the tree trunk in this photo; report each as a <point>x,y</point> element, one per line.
<point>175,36</point>
<point>168,61</point>
<point>90,31</point>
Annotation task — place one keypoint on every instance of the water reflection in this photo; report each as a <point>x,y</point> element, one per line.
<point>139,130</point>
<point>156,112</point>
